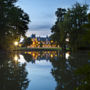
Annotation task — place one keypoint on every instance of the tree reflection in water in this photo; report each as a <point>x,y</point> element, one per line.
<point>84,72</point>
<point>64,70</point>
<point>13,75</point>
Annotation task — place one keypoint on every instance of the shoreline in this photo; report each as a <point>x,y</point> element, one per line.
<point>37,49</point>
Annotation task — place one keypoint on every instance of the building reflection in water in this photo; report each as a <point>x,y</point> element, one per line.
<point>40,55</point>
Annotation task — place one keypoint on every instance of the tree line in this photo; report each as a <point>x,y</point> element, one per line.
<point>74,24</point>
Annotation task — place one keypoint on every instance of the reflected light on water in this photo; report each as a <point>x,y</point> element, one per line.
<point>48,54</point>
<point>33,54</point>
<point>29,52</point>
<point>67,55</point>
<point>21,60</point>
<point>16,58</point>
<point>51,55</point>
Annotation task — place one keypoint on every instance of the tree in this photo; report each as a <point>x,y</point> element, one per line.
<point>78,15</point>
<point>56,29</point>
<point>41,44</point>
<point>86,36</point>
<point>69,24</point>
<point>13,23</point>
<point>27,42</point>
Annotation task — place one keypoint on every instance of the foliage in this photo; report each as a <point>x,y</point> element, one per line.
<point>56,29</point>
<point>41,44</point>
<point>13,23</point>
<point>27,42</point>
<point>69,25</point>
<point>78,18</point>
<point>86,36</point>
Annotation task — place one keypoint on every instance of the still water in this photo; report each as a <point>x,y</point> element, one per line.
<point>45,70</point>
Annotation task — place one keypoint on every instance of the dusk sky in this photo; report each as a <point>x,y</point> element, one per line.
<point>42,13</point>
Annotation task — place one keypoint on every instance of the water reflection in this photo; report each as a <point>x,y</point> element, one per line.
<point>43,68</point>
<point>40,55</point>
<point>13,75</point>
<point>64,70</point>
<point>16,58</point>
<point>67,55</point>
<point>84,73</point>
<point>19,58</point>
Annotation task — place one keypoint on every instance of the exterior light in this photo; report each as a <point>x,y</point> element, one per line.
<point>67,39</point>
<point>52,41</point>
<point>51,55</point>
<point>15,43</point>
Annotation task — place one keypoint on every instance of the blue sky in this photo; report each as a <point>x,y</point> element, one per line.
<point>42,13</point>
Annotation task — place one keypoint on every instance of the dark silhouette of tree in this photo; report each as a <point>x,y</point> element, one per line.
<point>13,23</point>
<point>64,69</point>
<point>62,74</point>
<point>86,36</point>
<point>78,15</point>
<point>28,57</point>
<point>41,44</point>
<point>56,29</point>
<point>85,81</point>
<point>69,24</point>
<point>27,42</point>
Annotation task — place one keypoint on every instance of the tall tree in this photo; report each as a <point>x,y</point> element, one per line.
<point>86,36</point>
<point>69,24</point>
<point>78,15</point>
<point>56,29</point>
<point>13,23</point>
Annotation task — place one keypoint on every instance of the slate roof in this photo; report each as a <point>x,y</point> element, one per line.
<point>41,38</point>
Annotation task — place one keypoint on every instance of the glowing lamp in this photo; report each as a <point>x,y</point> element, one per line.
<point>15,43</point>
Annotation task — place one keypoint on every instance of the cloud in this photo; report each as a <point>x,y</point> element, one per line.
<point>40,27</point>
<point>39,33</point>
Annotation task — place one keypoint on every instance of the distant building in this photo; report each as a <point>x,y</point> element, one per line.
<point>41,42</point>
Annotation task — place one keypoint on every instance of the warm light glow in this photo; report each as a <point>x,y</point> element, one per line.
<point>52,41</point>
<point>16,58</point>
<point>67,55</point>
<point>15,43</point>
<point>29,52</point>
<point>34,43</point>
<point>67,39</point>
<point>20,45</point>
<point>55,54</point>
<point>33,54</point>
<point>51,55</point>
<point>19,59</point>
<point>58,46</point>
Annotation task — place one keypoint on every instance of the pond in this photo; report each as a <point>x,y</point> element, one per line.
<point>44,70</point>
